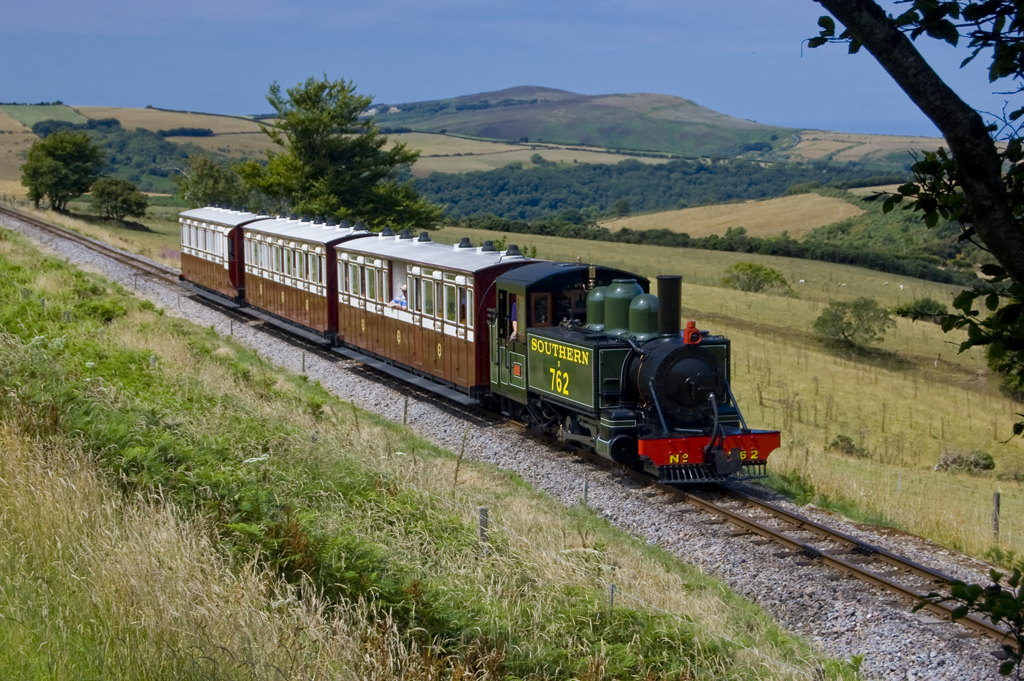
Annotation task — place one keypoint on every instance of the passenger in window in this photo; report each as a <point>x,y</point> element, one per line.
<point>400,301</point>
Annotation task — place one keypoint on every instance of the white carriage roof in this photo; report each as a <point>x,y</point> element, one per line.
<point>429,253</point>
<point>294,229</point>
<point>222,216</point>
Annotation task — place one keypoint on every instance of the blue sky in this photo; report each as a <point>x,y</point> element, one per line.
<point>740,57</point>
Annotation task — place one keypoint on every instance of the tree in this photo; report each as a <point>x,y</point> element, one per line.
<point>1002,604</point>
<point>621,208</point>
<point>61,167</point>
<point>859,322</point>
<point>118,199</point>
<point>975,183</point>
<point>333,162</point>
<point>754,277</point>
<point>203,181</point>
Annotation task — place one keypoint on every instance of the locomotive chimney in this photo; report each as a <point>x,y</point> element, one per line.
<point>670,293</point>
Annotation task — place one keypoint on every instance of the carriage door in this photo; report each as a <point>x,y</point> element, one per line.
<point>501,332</point>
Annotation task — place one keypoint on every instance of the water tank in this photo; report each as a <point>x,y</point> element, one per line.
<point>595,308</point>
<point>616,305</point>
<point>643,317</point>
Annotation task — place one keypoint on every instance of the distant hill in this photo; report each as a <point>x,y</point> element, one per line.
<point>622,121</point>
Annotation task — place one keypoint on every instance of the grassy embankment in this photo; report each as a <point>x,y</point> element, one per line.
<point>173,507</point>
<point>905,402</point>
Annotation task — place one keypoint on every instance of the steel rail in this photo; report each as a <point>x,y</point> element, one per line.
<point>128,259</point>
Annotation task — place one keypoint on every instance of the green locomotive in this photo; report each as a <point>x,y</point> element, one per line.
<point>587,353</point>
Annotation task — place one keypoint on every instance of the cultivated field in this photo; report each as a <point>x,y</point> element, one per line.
<point>234,145</point>
<point>154,119</point>
<point>796,215</point>
<point>815,144</point>
<point>30,115</point>
<point>15,140</point>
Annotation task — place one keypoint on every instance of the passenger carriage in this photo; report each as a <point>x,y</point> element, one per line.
<point>290,270</point>
<point>211,250</point>
<point>450,289</point>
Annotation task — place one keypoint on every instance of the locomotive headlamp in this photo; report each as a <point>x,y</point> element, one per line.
<point>691,335</point>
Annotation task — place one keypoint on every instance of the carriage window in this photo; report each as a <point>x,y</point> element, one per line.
<point>323,269</point>
<point>438,300</point>
<point>277,258</point>
<point>469,307</point>
<point>371,283</point>
<point>354,279</point>
<point>428,298</point>
<point>462,305</point>
<point>415,301</point>
<point>451,304</point>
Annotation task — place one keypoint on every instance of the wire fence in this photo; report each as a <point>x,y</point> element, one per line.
<point>609,586</point>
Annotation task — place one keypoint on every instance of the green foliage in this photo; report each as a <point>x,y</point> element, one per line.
<point>61,167</point>
<point>537,193</point>
<point>1002,604</point>
<point>186,132</point>
<point>920,308</point>
<point>334,163</point>
<point>754,277</point>
<point>844,444</point>
<point>621,208</point>
<point>140,156</point>
<point>858,322</point>
<point>203,182</point>
<point>958,461</point>
<point>118,199</point>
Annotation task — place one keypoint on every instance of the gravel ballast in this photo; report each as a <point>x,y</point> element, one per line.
<point>842,616</point>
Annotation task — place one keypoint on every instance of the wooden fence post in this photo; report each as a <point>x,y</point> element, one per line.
<point>483,530</point>
<point>995,515</point>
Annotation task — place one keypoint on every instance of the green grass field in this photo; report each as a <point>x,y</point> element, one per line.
<point>30,115</point>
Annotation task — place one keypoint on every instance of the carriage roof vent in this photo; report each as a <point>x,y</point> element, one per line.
<point>318,219</point>
<point>513,251</point>
<point>330,222</point>
<point>262,212</point>
<point>244,209</point>
<point>345,224</point>
<point>305,218</point>
<point>465,243</point>
<point>294,216</point>
<point>387,231</point>
<point>405,234</point>
<point>361,226</point>
<point>424,238</point>
<point>488,247</point>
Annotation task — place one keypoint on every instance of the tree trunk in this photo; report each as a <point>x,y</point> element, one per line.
<point>979,169</point>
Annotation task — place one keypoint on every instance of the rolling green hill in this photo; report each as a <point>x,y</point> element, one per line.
<point>622,121</point>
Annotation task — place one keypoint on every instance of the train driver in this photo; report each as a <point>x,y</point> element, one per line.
<point>400,301</point>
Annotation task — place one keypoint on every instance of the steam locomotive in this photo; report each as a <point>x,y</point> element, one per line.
<point>580,351</point>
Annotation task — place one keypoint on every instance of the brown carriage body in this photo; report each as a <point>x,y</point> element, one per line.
<point>442,334</point>
<point>211,249</point>
<point>290,270</point>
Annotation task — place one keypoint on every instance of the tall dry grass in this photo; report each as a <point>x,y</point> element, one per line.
<point>97,586</point>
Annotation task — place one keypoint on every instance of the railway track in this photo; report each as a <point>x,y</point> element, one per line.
<point>807,541</point>
<point>811,542</point>
<point>128,259</point>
